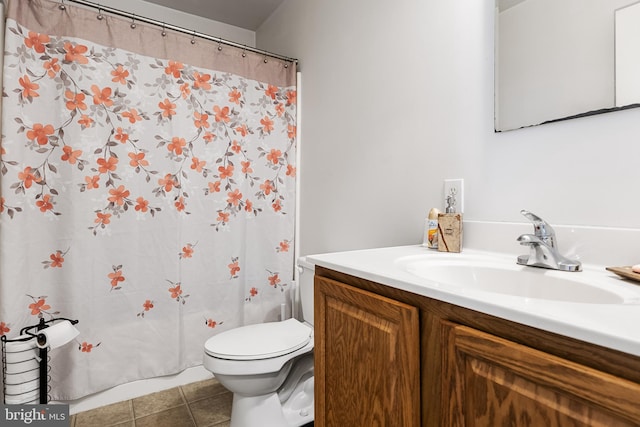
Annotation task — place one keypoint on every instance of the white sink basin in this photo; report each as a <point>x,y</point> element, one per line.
<point>499,276</point>
<point>593,305</point>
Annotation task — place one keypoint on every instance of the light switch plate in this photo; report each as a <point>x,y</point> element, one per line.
<point>454,188</point>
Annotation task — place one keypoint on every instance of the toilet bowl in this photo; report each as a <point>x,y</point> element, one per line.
<point>269,366</point>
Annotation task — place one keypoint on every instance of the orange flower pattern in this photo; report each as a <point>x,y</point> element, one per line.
<point>29,89</point>
<point>283,246</point>
<point>45,204</point>
<point>75,52</point>
<point>122,162</point>
<point>86,347</point>
<point>5,329</point>
<point>234,268</point>
<point>274,281</point>
<point>105,104</point>
<point>27,177</point>
<point>253,292</point>
<point>187,251</point>
<point>55,260</point>
<point>39,307</point>
<point>176,292</point>
<point>52,67</point>
<point>37,41</point>
<point>40,133</point>
<point>146,306</point>
<point>209,322</point>
<point>116,277</point>
<point>70,155</point>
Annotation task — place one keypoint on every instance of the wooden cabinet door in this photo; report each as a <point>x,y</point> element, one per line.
<point>489,381</point>
<point>367,361</point>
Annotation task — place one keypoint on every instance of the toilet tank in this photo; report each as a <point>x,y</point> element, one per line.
<point>306,271</point>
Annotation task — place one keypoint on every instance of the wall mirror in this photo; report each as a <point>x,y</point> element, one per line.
<point>561,59</point>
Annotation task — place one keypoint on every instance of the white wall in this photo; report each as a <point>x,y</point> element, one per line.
<point>397,96</point>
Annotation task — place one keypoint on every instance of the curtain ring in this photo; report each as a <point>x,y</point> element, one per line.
<point>286,65</point>
<point>100,15</point>
<point>265,59</point>
<point>164,31</point>
<point>219,44</point>
<point>133,22</point>
<point>244,51</point>
<point>62,6</point>
<point>193,38</point>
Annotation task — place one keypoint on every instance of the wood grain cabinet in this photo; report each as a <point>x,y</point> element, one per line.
<point>495,382</point>
<point>386,357</point>
<point>367,357</point>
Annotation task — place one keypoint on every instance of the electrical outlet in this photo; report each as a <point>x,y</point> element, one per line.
<point>454,189</point>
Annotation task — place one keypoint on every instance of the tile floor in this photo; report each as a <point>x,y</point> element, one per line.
<point>202,404</point>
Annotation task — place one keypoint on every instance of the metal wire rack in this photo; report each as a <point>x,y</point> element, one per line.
<point>25,367</point>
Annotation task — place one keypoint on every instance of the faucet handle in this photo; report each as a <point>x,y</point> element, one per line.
<point>542,228</point>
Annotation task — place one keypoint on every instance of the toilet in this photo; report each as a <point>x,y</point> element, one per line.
<point>269,366</point>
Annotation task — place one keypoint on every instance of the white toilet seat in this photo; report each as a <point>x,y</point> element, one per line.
<point>259,341</point>
<point>294,338</point>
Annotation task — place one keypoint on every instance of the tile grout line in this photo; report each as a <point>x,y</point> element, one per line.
<point>132,411</point>
<point>186,402</point>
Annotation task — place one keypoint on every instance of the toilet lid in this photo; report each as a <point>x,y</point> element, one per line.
<point>259,341</point>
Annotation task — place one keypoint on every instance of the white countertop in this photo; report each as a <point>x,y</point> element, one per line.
<point>615,326</point>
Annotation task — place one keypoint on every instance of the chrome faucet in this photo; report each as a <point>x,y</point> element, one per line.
<point>543,249</point>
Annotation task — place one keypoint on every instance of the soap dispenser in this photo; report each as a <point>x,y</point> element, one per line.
<point>450,226</point>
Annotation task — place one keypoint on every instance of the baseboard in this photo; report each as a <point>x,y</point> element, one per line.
<point>136,389</point>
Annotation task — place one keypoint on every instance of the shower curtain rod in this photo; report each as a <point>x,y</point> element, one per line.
<point>176,28</point>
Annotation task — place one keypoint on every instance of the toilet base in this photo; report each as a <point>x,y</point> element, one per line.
<point>299,408</point>
<point>268,411</point>
<point>262,410</point>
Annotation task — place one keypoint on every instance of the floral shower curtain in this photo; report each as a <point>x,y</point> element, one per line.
<point>147,189</point>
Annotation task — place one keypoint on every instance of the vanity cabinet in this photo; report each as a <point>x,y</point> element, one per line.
<point>367,355</point>
<point>387,357</point>
<point>490,381</point>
